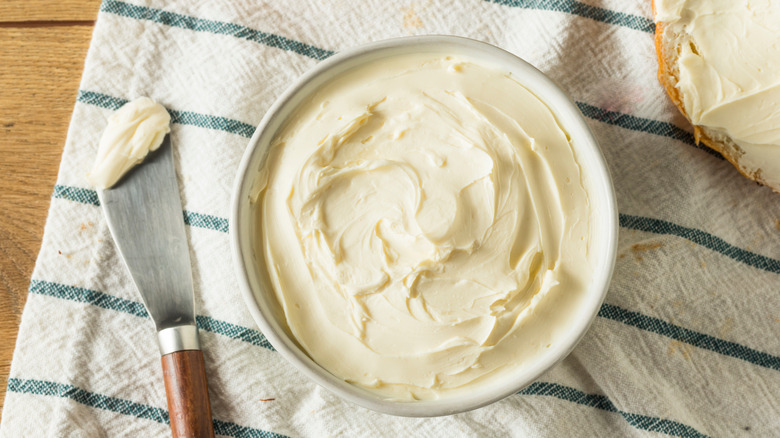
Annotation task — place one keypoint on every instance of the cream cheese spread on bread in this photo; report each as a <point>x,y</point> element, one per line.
<point>425,226</point>
<point>729,74</point>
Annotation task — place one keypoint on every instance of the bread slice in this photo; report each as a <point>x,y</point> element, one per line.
<point>667,46</point>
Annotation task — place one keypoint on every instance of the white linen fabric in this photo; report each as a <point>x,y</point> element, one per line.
<point>686,344</point>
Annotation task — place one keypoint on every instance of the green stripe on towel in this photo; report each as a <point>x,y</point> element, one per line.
<point>91,399</point>
<point>644,422</point>
<point>123,406</point>
<point>233,331</point>
<point>110,302</point>
<point>211,26</point>
<point>702,238</point>
<point>181,117</point>
<point>587,11</point>
<point>634,123</point>
<point>697,339</point>
<point>76,194</point>
<point>206,221</point>
<point>88,196</point>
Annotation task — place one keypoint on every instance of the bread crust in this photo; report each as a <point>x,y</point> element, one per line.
<point>668,76</point>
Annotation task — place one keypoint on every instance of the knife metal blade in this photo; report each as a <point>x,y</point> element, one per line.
<point>145,218</point>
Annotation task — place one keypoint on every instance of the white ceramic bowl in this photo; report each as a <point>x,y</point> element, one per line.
<point>250,267</point>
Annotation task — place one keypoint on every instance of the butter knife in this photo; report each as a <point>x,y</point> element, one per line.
<point>144,215</point>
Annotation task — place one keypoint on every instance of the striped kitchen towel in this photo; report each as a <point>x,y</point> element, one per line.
<point>686,344</point>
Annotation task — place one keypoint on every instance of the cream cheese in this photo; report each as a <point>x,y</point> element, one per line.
<point>135,129</point>
<point>729,78</point>
<point>425,226</point>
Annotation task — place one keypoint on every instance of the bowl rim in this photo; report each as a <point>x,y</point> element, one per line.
<point>601,182</point>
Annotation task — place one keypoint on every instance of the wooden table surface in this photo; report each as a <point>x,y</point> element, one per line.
<point>42,49</point>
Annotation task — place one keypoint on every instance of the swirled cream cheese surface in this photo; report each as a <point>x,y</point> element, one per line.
<point>729,72</point>
<point>425,226</point>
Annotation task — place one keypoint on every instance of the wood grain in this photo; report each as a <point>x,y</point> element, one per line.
<point>48,10</point>
<point>42,49</point>
<point>188,394</point>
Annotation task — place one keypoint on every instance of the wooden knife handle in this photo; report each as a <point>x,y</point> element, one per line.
<point>188,394</point>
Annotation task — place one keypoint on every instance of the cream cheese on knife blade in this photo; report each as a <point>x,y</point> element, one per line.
<point>425,226</point>
<point>134,130</point>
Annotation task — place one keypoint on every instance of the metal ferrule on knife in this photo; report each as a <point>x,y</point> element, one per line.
<point>173,339</point>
